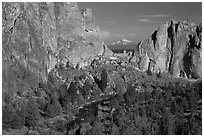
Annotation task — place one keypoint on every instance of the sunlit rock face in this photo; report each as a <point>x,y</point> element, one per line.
<point>175,47</point>
<point>37,36</point>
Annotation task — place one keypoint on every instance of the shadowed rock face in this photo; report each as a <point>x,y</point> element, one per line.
<point>37,36</point>
<point>174,47</point>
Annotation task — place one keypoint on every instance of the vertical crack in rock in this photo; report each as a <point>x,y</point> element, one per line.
<point>171,33</point>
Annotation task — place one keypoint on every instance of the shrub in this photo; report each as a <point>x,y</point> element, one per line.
<point>53,107</point>
<point>12,118</point>
<point>31,113</point>
<point>7,117</point>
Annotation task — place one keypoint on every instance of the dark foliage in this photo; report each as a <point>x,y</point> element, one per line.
<point>102,82</point>
<point>31,113</point>
<point>142,104</point>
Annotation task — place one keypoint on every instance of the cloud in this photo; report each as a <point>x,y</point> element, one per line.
<point>110,21</point>
<point>131,34</point>
<point>155,16</point>
<point>107,36</point>
<point>110,37</point>
<point>145,20</point>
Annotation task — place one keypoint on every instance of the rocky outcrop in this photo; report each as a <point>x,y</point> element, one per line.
<point>37,36</point>
<point>175,48</point>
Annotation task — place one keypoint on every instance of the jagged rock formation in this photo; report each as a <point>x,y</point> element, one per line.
<point>37,36</point>
<point>175,48</point>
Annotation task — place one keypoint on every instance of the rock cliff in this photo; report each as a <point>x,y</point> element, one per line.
<point>37,36</point>
<point>175,48</point>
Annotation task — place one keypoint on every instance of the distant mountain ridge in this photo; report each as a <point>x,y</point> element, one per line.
<point>123,41</point>
<point>123,44</point>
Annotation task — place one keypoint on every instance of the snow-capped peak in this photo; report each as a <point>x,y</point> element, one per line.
<point>123,41</point>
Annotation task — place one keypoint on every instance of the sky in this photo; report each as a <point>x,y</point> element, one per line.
<point>137,20</point>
